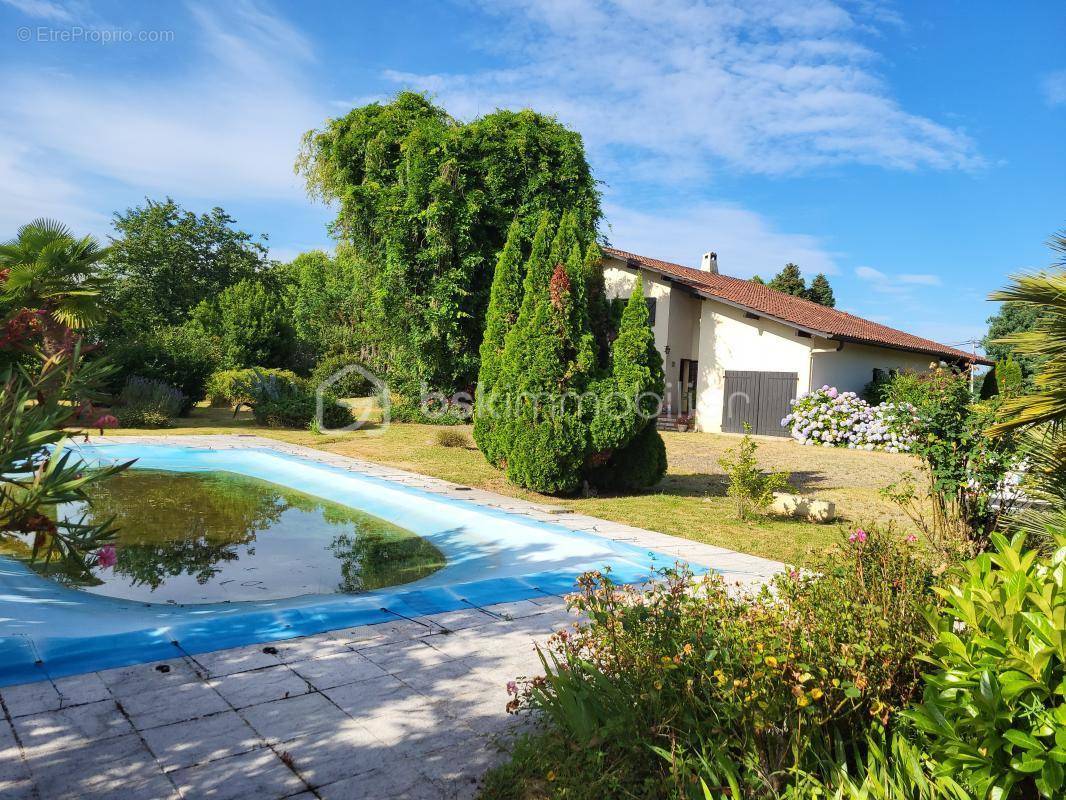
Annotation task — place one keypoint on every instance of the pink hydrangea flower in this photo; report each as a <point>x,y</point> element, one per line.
<point>859,536</point>
<point>106,556</point>
<point>512,687</point>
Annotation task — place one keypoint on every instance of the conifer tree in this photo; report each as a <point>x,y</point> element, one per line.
<point>550,378</point>
<point>790,281</point>
<point>821,292</point>
<point>504,301</point>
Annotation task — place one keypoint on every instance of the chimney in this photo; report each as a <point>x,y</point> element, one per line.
<point>709,263</point>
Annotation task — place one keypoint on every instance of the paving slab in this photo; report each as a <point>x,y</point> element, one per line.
<point>199,741</point>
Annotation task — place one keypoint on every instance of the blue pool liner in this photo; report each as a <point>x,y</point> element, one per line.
<point>49,631</point>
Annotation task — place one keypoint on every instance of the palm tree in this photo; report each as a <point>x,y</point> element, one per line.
<point>1042,415</point>
<point>1046,291</point>
<point>48,269</point>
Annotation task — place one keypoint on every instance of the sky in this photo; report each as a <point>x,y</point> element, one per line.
<point>913,151</point>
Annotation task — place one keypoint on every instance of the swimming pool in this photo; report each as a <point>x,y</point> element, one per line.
<point>491,556</point>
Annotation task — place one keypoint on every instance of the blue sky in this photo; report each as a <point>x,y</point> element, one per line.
<point>911,150</point>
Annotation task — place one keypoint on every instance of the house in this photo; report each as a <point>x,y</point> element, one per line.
<point>736,351</point>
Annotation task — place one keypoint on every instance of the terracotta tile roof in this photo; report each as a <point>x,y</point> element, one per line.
<point>796,311</point>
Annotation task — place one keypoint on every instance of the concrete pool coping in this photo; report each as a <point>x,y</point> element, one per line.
<point>409,709</point>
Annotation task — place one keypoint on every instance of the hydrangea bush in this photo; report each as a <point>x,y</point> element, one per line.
<point>830,418</point>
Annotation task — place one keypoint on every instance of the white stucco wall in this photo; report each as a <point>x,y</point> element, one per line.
<point>728,340</point>
<point>852,367</point>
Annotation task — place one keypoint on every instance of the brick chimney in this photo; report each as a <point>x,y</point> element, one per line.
<point>709,263</point>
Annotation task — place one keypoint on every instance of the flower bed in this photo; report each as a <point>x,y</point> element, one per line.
<point>830,418</point>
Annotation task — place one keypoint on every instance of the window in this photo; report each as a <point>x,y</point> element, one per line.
<point>651,309</point>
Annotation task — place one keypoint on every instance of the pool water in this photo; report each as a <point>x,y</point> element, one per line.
<point>206,537</point>
<point>230,546</point>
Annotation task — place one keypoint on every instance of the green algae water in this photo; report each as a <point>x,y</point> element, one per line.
<point>206,537</point>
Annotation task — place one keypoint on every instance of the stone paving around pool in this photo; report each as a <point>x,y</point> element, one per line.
<point>409,709</point>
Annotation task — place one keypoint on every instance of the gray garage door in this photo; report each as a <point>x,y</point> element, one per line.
<point>759,399</point>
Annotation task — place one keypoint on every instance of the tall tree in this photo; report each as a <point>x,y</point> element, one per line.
<point>821,292</point>
<point>505,300</point>
<point>757,279</point>
<point>1012,318</point>
<point>426,202</point>
<point>164,260</point>
<point>790,281</point>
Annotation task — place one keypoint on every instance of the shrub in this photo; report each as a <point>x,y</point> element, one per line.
<point>277,403</point>
<point>142,417</point>
<point>452,438</point>
<point>178,356</point>
<point>146,403</point>
<point>751,489</point>
<point>729,688</point>
<point>353,384</point>
<point>235,387</point>
<point>438,411</point>
<point>994,708</point>
<point>967,469</point>
<point>830,418</point>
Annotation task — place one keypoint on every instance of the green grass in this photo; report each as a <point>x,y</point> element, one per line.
<point>690,502</point>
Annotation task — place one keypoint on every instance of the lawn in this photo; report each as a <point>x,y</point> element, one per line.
<point>690,502</point>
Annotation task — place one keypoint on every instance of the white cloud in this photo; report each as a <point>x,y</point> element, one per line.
<point>746,243</point>
<point>901,284</point>
<point>45,9</point>
<point>687,86</point>
<point>1054,86</point>
<point>229,127</point>
<point>30,193</point>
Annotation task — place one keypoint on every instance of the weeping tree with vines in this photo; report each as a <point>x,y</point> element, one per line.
<point>425,203</point>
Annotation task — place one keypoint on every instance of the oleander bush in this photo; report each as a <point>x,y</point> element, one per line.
<point>235,387</point>
<point>831,418</point>
<point>686,683</point>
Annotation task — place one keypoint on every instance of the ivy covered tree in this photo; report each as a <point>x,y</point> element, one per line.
<point>426,203</point>
<point>552,410</point>
<point>821,292</point>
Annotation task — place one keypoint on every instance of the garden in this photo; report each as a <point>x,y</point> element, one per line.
<point>917,649</point>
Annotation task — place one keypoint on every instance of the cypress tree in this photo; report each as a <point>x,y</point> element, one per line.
<point>561,414</point>
<point>790,281</point>
<point>504,301</point>
<point>821,292</point>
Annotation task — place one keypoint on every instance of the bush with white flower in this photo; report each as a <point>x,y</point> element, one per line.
<point>831,418</point>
